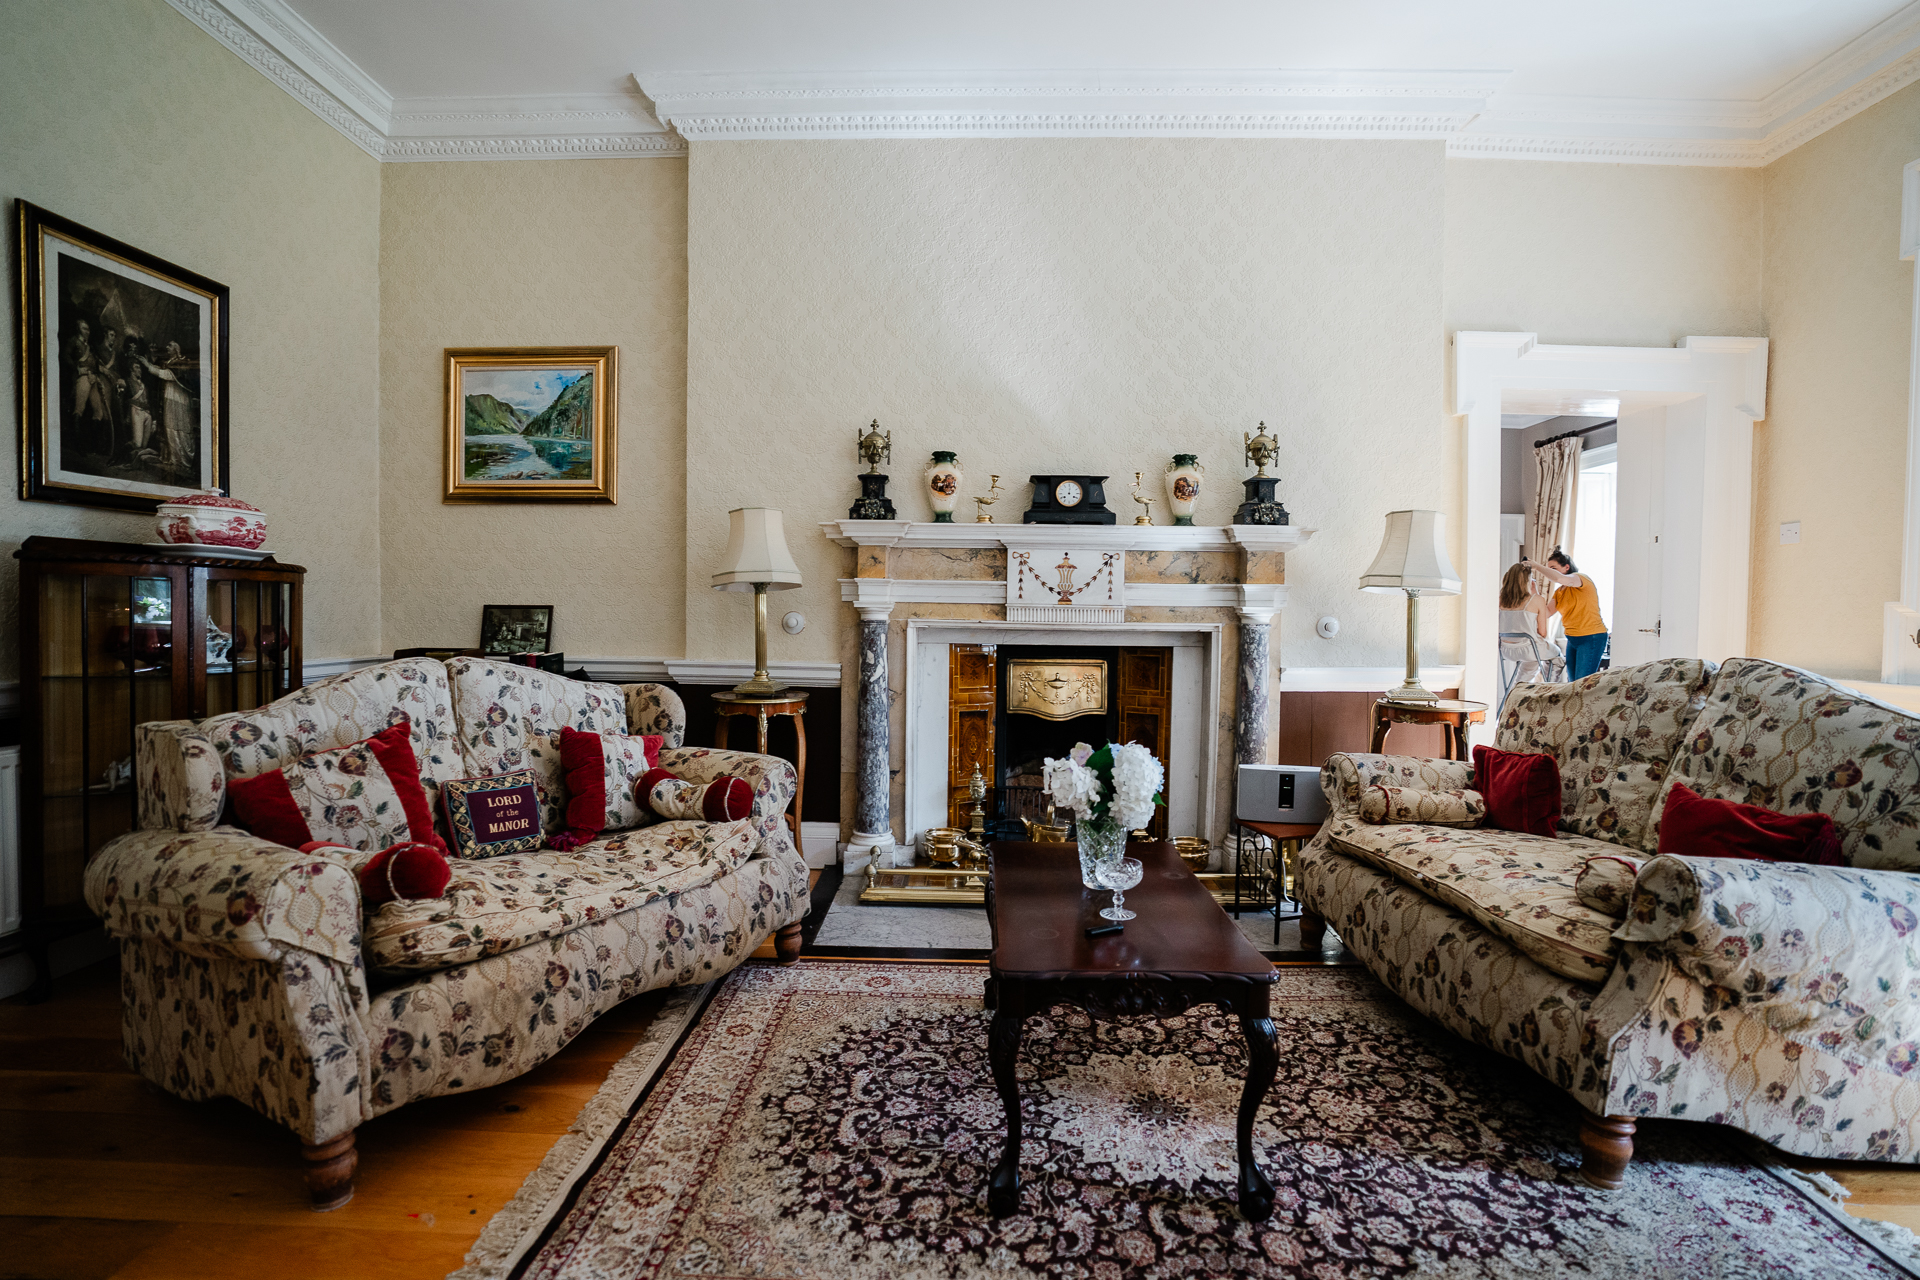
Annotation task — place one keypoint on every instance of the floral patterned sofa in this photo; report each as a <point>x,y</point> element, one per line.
<point>248,969</point>
<point>1779,998</point>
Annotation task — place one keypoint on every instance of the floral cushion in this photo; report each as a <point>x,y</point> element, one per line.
<point>510,719</point>
<point>1519,886</point>
<point>1605,882</point>
<point>1789,741</point>
<point>1455,808</point>
<point>345,709</point>
<point>182,785</point>
<point>1347,775</point>
<point>502,903</point>
<point>365,797</point>
<point>1614,735</point>
<point>654,708</point>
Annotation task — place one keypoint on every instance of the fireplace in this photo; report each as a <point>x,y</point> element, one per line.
<point>1012,706</point>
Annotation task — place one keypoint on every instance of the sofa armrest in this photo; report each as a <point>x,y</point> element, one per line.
<point>654,708</point>
<point>1345,775</point>
<point>1826,953</point>
<point>773,780</point>
<point>226,893</point>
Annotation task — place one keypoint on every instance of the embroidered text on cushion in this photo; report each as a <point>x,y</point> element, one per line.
<point>1790,741</point>
<point>365,796</point>
<point>603,772</point>
<point>510,718</point>
<point>722,800</point>
<point>1694,826</point>
<point>1614,735</point>
<point>490,816</point>
<point>1522,791</point>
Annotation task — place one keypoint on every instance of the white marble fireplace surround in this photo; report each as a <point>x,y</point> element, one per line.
<point>1208,593</point>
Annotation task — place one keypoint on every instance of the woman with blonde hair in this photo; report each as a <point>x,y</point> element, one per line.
<point>1524,617</point>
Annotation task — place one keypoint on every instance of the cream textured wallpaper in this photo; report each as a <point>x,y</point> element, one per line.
<point>1067,305</point>
<point>535,253</point>
<point>1602,254</point>
<point>125,117</point>
<point>1832,453</point>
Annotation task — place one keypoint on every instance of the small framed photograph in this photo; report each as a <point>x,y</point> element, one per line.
<point>531,424</point>
<point>124,381</point>
<point>516,628</point>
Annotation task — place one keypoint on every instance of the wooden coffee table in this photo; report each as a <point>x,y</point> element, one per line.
<point>1180,951</point>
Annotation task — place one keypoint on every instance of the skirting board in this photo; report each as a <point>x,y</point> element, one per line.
<point>820,843</point>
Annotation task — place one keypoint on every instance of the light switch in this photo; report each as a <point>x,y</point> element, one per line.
<point>1790,532</point>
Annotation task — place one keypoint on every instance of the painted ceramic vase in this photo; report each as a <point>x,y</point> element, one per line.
<point>1184,475</point>
<point>943,485</point>
<point>211,519</point>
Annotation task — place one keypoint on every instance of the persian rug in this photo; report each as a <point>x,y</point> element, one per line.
<point>838,1121</point>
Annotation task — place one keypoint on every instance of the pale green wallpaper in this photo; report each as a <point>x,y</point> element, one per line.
<point>125,117</point>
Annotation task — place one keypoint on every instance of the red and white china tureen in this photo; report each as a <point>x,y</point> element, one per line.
<point>211,519</point>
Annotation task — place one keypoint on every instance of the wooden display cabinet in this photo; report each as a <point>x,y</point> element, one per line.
<point>114,634</point>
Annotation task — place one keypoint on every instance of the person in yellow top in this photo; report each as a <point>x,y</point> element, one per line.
<point>1578,603</point>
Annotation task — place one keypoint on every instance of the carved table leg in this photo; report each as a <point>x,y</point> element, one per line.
<point>786,942</point>
<point>330,1168</point>
<point>1003,1049</point>
<point>1263,1061</point>
<point>1606,1142</point>
<point>1313,930</point>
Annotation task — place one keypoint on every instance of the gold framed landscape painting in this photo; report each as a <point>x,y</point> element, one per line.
<point>531,424</point>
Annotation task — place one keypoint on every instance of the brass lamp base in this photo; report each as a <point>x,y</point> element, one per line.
<point>760,684</point>
<point>1413,694</point>
<point>1411,690</point>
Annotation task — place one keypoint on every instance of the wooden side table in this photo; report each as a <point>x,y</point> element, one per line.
<point>1287,838</point>
<point>1452,715</point>
<point>788,702</point>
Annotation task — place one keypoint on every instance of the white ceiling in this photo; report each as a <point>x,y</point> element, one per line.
<point>1673,81</point>
<point>1714,49</point>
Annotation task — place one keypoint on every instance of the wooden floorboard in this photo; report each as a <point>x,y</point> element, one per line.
<point>104,1176</point>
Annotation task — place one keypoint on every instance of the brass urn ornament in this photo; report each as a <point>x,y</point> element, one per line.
<point>1261,507</point>
<point>873,447</point>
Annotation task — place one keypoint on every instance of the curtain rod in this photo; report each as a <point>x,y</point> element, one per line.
<point>1568,435</point>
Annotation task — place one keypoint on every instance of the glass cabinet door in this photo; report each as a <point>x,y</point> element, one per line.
<point>249,641</point>
<point>105,665</point>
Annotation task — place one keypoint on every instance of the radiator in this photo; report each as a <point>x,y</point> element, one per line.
<point>10,906</point>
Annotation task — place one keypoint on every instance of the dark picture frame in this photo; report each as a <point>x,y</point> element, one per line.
<point>515,628</point>
<point>123,370</point>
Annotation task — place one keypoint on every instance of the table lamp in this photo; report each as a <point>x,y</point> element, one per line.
<point>1413,558</point>
<point>757,560</point>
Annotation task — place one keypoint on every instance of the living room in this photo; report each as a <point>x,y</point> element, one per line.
<point>930,335</point>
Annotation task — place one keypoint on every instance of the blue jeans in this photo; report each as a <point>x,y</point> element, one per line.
<point>1583,654</point>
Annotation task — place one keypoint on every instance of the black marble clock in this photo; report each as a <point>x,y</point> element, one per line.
<point>1068,500</point>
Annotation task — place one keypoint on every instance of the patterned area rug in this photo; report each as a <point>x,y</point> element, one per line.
<point>838,1120</point>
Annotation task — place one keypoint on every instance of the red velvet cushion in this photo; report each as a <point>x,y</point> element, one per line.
<point>1522,791</point>
<point>404,871</point>
<point>583,761</point>
<point>1693,825</point>
<point>265,805</point>
<point>722,800</point>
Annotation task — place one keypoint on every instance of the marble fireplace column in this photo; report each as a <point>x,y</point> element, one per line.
<point>1250,701</point>
<point>872,824</point>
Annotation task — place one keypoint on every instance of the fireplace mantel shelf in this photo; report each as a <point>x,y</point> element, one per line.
<point>908,534</point>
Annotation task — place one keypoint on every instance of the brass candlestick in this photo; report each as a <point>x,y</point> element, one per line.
<point>980,515</point>
<point>1145,517</point>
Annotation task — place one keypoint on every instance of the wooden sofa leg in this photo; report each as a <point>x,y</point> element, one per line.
<point>786,942</point>
<point>1606,1145</point>
<point>330,1169</point>
<point>1313,931</point>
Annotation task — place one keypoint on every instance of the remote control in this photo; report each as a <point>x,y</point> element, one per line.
<point>1103,932</point>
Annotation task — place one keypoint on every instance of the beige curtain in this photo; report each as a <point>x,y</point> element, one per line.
<point>1553,498</point>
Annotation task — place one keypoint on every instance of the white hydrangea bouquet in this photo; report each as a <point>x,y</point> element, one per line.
<point>1109,792</point>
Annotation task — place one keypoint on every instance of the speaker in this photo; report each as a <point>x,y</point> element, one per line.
<point>1281,793</point>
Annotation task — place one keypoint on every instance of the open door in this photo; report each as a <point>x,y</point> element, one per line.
<point>1638,594</point>
<point>973,695</point>
<point>1145,699</point>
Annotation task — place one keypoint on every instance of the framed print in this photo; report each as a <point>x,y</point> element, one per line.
<point>531,424</point>
<point>516,628</point>
<point>123,398</point>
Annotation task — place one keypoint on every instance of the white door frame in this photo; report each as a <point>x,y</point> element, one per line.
<point>1900,630</point>
<point>1715,389</point>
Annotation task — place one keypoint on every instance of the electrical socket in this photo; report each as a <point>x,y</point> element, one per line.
<point>1790,532</point>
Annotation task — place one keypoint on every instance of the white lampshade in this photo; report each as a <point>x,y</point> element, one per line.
<point>1413,557</point>
<point>756,553</point>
